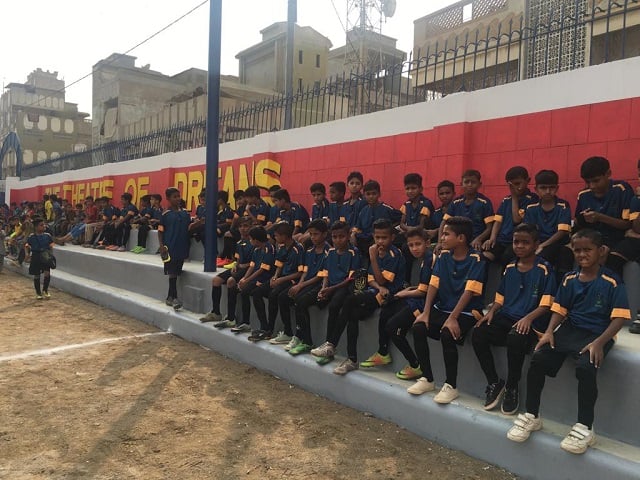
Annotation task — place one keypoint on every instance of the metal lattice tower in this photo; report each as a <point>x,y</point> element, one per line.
<point>362,16</point>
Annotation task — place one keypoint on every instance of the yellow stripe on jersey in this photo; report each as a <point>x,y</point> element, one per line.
<point>489,219</point>
<point>265,266</point>
<point>323,273</point>
<point>564,227</point>
<point>610,280</point>
<point>434,282</point>
<point>279,263</point>
<point>559,309</point>
<point>423,287</point>
<point>499,299</point>
<point>621,313</point>
<point>474,286</point>
<point>497,218</point>
<point>388,276</point>
<point>546,301</point>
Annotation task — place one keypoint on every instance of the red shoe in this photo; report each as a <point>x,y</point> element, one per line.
<point>220,262</point>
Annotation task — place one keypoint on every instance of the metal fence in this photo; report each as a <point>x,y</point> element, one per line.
<point>555,36</point>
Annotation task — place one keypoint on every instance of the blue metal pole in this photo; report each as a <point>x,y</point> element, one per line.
<point>213,153</point>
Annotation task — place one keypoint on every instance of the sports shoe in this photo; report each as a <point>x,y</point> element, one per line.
<point>141,250</point>
<point>578,439</point>
<point>241,328</point>
<point>169,301</point>
<point>421,386</point>
<point>221,262</point>
<point>46,295</point>
<point>635,327</point>
<point>258,335</point>
<point>299,349</point>
<point>121,249</point>
<point>323,360</point>
<point>326,350</point>
<point>294,342</point>
<point>177,304</point>
<point>111,248</point>
<point>524,424</point>
<point>39,297</point>
<point>211,317</point>
<point>376,360</point>
<point>345,367</point>
<point>409,373</point>
<point>229,266</point>
<point>447,394</point>
<point>280,339</point>
<point>493,394</point>
<point>510,401</point>
<point>226,323</point>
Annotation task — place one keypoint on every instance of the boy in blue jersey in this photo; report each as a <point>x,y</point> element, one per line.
<point>339,210</point>
<point>355,202</point>
<point>452,307</point>
<point>123,224</point>
<point>398,315</point>
<point>260,271</point>
<point>174,239</point>
<point>362,232</point>
<point>230,278</point>
<point>38,245</point>
<point>552,216</point>
<point>385,279</point>
<point>198,230</point>
<point>142,221</point>
<point>305,293</point>
<point>589,309</point>
<point>290,212</point>
<point>224,220</point>
<point>273,209</point>
<point>256,208</point>
<point>288,258</point>
<point>446,192</point>
<point>475,206</point>
<point>319,211</point>
<point>604,206</point>
<point>519,314</point>
<point>339,267</point>
<point>110,214</point>
<point>510,214</point>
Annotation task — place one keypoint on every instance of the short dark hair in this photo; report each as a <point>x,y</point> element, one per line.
<point>238,194</point>
<point>223,195</point>
<point>258,233</point>
<point>157,196</point>
<point>413,179</point>
<point>530,229</point>
<point>45,197</point>
<point>516,172</point>
<point>472,173</point>
<point>53,197</point>
<point>593,235</point>
<point>356,175</point>
<point>339,186</point>
<point>370,186</point>
<point>383,224</point>
<point>317,187</point>
<point>145,198</point>
<point>417,232</point>
<point>594,167</point>
<point>274,188</point>
<point>36,221</point>
<point>318,224</point>
<point>126,196</point>
<point>282,194</point>
<point>283,228</point>
<point>170,191</point>
<point>253,192</point>
<point>547,177</point>
<point>245,219</point>
<point>446,183</point>
<point>339,225</point>
<point>460,226</point>
<point>89,197</point>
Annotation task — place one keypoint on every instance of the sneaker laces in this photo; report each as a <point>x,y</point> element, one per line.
<point>578,433</point>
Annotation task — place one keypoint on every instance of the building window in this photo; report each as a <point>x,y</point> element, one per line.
<point>300,57</point>
<point>317,61</point>
<point>299,85</point>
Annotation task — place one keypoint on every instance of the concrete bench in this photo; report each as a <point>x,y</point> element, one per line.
<point>196,250</point>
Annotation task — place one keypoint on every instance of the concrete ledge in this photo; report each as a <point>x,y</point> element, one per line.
<point>461,425</point>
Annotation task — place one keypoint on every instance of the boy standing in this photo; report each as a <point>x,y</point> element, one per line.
<point>589,309</point>
<point>39,246</point>
<point>452,307</point>
<point>510,213</point>
<point>519,313</point>
<point>173,236</point>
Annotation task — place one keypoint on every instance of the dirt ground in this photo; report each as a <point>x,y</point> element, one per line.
<point>157,407</point>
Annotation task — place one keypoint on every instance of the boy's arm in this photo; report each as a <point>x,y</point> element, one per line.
<point>547,336</point>
<point>452,321</point>
<point>591,216</point>
<point>378,278</point>
<point>596,348</point>
<point>495,230</point>
<point>556,237</point>
<point>428,303</point>
<point>477,242</point>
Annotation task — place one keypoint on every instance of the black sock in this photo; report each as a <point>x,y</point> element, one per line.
<point>173,289</point>
<point>36,284</point>
<point>47,280</point>
<point>216,294</point>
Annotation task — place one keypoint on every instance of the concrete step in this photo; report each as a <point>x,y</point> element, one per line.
<point>463,425</point>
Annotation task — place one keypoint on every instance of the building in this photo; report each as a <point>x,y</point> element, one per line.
<point>264,65</point>
<point>46,125</point>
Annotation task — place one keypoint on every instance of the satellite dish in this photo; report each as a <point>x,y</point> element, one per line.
<point>388,8</point>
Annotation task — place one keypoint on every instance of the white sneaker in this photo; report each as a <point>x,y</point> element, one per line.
<point>421,386</point>
<point>280,339</point>
<point>524,424</point>
<point>324,350</point>
<point>446,395</point>
<point>294,342</point>
<point>578,439</point>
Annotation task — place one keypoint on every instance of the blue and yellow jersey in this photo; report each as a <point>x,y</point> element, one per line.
<point>340,266</point>
<point>479,211</point>
<point>264,258</point>
<point>615,203</point>
<point>295,216</point>
<point>339,213</point>
<point>320,211</point>
<point>289,259</point>
<point>369,214</point>
<point>634,208</point>
<point>244,250</point>
<point>413,213</point>
<point>504,215</point>
<point>40,242</point>
<point>416,304</point>
<point>313,262</point>
<point>558,219</point>
<point>174,226</point>
<point>128,212</point>
<point>260,211</point>
<point>392,267</point>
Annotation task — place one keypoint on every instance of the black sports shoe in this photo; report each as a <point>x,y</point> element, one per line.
<point>169,301</point>
<point>258,335</point>
<point>510,401</point>
<point>494,393</point>
<point>635,327</point>
<point>177,304</point>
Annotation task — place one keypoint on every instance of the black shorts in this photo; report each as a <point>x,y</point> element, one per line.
<point>437,319</point>
<point>173,267</point>
<point>629,248</point>
<point>36,267</point>
<point>227,274</point>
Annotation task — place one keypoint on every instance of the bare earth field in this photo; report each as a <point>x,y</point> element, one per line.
<point>157,407</point>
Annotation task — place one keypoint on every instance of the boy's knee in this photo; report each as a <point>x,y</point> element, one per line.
<point>480,335</point>
<point>585,370</point>
<point>517,340</point>
<point>446,337</point>
<point>419,329</point>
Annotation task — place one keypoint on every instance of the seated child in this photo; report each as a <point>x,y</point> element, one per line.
<point>123,223</point>
<point>255,207</point>
<point>198,229</point>
<point>498,248</point>
<point>319,211</point>
<point>142,221</point>
<point>589,309</point>
<point>398,315</point>
<point>110,215</point>
<point>230,278</point>
<point>342,262</point>
<point>224,221</point>
<point>519,313</point>
<point>385,278</point>
<point>339,210</point>
<point>452,308</point>
<point>290,212</point>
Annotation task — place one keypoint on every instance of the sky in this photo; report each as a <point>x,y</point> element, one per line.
<point>71,36</point>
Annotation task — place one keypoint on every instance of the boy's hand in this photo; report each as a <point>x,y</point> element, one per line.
<point>383,291</point>
<point>476,244</point>
<point>242,283</point>
<point>405,292</point>
<point>523,326</point>
<point>274,282</point>
<point>293,291</point>
<point>437,249</point>
<point>488,244</point>
<point>453,326</point>
<point>422,318</point>
<point>596,353</point>
<point>544,339</point>
<point>488,318</point>
<point>590,216</point>
<point>375,251</point>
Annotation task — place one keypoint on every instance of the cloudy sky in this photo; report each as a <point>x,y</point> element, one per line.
<point>70,36</point>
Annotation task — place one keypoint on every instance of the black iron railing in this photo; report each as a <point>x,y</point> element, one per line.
<point>547,40</point>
